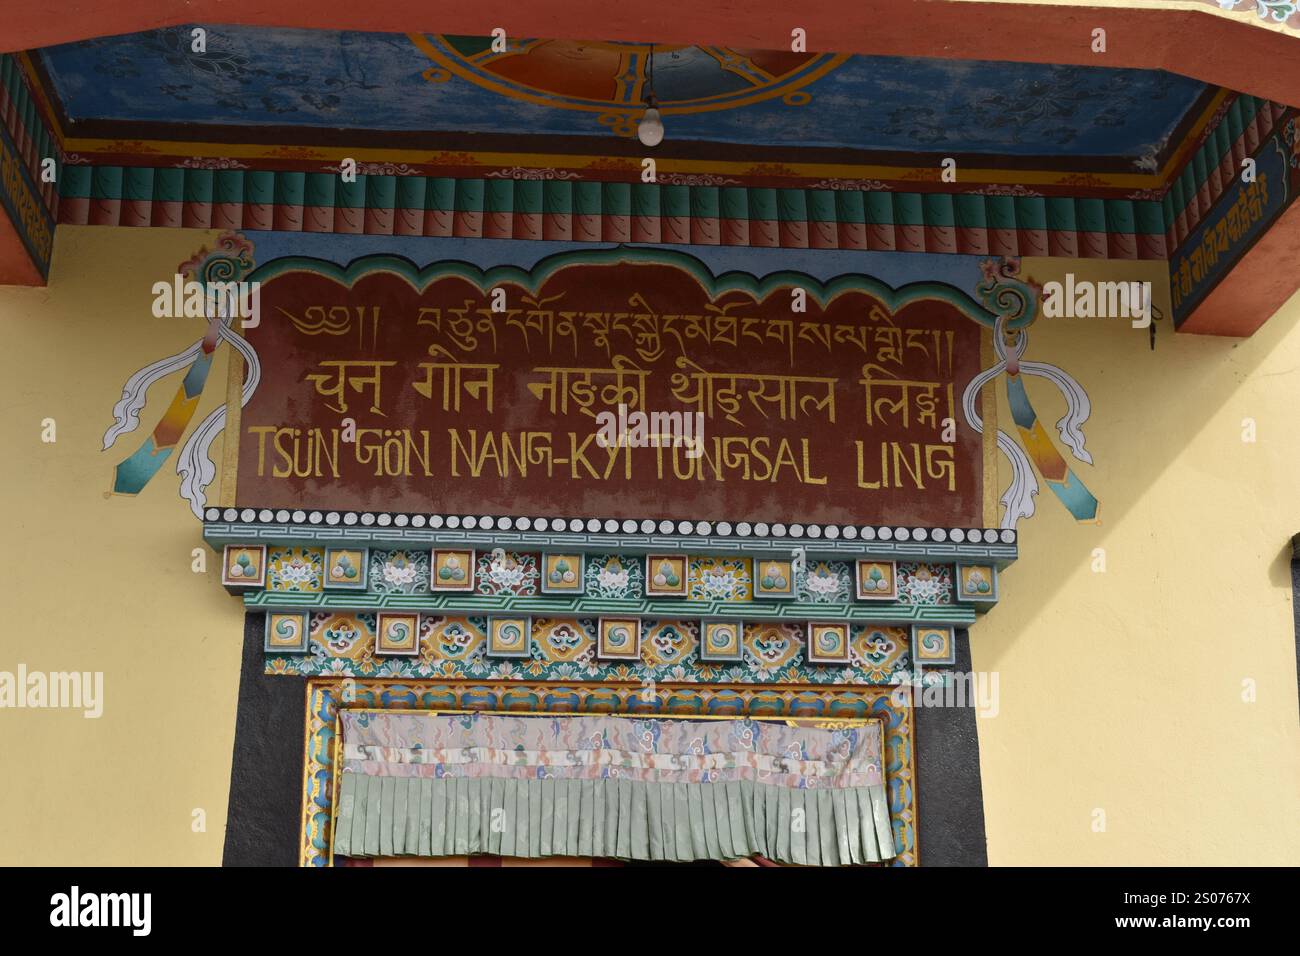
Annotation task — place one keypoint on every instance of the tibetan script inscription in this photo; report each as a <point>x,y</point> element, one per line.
<point>381,397</point>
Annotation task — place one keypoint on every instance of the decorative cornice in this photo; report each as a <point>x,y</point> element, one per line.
<point>26,124</point>
<point>563,210</point>
<point>249,525</point>
<point>1239,132</point>
<point>549,606</point>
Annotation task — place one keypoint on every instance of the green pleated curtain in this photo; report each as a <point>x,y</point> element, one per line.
<point>432,785</point>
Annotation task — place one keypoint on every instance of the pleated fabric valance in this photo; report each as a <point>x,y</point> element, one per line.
<point>417,784</point>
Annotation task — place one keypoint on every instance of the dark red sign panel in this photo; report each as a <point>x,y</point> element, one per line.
<point>521,395</point>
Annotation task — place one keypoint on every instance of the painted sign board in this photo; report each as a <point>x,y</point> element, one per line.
<point>517,392</point>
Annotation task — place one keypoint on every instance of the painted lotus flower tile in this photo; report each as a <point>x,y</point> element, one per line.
<point>399,572</point>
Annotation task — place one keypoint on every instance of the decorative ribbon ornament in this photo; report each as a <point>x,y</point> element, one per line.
<point>1014,302</point>
<point>229,261</point>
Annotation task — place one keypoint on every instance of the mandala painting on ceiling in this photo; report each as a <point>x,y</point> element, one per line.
<point>610,79</point>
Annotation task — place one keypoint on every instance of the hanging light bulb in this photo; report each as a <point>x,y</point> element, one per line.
<point>650,130</point>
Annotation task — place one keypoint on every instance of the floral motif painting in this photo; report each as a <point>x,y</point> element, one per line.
<point>925,584</point>
<point>453,638</point>
<point>296,569</point>
<point>879,651</point>
<point>564,640</point>
<point>772,646</point>
<point>339,634</point>
<point>564,649</point>
<point>504,572</point>
<point>720,579</point>
<point>666,643</point>
<point>399,572</point>
<point>826,582</point>
<point>614,576</point>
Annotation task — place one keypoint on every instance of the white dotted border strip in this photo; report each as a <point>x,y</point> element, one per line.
<point>740,529</point>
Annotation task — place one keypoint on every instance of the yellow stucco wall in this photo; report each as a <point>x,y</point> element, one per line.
<point>1123,691</point>
<point>104,584</point>
<point>1119,690</point>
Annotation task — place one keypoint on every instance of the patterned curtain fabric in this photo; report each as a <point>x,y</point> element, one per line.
<point>598,786</point>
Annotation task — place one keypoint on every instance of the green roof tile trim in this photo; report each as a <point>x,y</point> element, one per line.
<point>381,191</point>
<point>440,194</point>
<point>1031,212</point>
<point>1119,218</point>
<point>1061,215</point>
<point>410,192</point>
<point>75,183</point>
<point>137,185</point>
<point>821,206</point>
<point>733,203</point>
<point>227,187</point>
<point>1092,215</point>
<point>645,201</point>
<point>616,199</point>
<point>1245,118</point>
<point>527,197</point>
<point>106,183</point>
<point>762,204</point>
<point>850,206</point>
<point>1001,212</point>
<point>469,195</point>
<point>675,201</point>
<point>499,197</point>
<point>169,185</point>
<point>198,188</point>
<point>259,188</point>
<point>319,190</point>
<point>1148,219</point>
<point>704,202</point>
<point>881,211</point>
<point>24,117</point>
<point>586,199</point>
<point>937,210</point>
<point>557,198</point>
<point>791,205</point>
<point>909,209</point>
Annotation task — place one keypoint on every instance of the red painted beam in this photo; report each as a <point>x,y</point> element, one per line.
<point>1257,286</point>
<point>16,265</point>
<point>1203,44</point>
